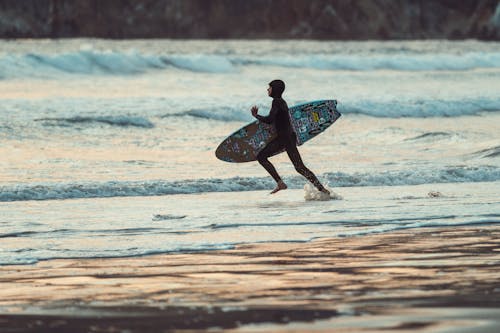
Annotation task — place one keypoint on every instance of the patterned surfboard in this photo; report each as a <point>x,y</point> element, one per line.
<point>308,120</point>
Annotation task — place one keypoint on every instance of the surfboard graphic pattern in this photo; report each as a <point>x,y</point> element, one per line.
<point>308,120</point>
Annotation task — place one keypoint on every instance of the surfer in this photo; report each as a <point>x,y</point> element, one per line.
<point>286,139</point>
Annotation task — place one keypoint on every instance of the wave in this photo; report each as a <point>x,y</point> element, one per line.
<point>488,153</point>
<point>92,232</point>
<point>430,136</point>
<point>166,217</point>
<point>398,61</point>
<point>417,225</point>
<point>381,225</point>
<point>420,108</point>
<point>205,63</point>
<point>223,113</point>
<point>453,174</point>
<point>91,62</point>
<point>48,191</point>
<point>391,108</point>
<point>121,121</point>
<point>80,62</point>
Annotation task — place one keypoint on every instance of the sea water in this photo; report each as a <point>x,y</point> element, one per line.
<point>107,147</point>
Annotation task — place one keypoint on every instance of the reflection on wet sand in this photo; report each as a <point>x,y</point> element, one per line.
<point>384,281</point>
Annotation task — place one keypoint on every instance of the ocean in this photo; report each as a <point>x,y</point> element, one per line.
<point>107,147</point>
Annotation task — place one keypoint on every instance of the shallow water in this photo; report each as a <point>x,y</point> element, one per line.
<point>95,120</point>
<point>128,226</point>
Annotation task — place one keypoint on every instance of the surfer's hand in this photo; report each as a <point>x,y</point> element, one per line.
<point>254,110</point>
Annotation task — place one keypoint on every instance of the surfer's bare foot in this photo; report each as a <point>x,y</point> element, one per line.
<point>280,186</point>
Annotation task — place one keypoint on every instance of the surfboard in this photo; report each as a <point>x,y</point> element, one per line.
<point>308,120</point>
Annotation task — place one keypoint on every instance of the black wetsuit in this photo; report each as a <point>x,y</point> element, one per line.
<point>286,139</point>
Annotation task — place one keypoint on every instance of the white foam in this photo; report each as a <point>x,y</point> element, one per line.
<point>311,193</point>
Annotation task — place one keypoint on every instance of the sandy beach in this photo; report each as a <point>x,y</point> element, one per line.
<point>428,280</point>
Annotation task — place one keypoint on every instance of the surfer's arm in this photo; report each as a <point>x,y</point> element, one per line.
<point>269,119</point>
<point>264,119</point>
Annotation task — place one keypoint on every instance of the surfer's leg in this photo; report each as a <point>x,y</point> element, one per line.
<point>273,147</point>
<point>294,155</point>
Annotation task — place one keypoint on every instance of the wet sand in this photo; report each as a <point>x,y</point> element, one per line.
<point>424,280</point>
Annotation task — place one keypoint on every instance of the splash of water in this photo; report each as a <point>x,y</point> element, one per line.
<point>312,194</point>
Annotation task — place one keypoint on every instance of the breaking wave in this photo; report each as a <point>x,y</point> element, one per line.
<point>48,191</point>
<point>91,62</point>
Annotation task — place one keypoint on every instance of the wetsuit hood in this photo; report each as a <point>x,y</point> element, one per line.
<point>278,87</point>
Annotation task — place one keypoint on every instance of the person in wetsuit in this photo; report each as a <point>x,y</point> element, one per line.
<point>286,138</point>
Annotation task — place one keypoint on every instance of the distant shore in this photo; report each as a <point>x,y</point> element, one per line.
<point>424,279</point>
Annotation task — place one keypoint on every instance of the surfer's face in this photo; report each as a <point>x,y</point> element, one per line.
<point>269,91</point>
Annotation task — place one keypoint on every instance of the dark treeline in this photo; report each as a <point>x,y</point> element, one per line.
<point>317,19</point>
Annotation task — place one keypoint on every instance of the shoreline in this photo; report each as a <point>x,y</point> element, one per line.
<point>327,283</point>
